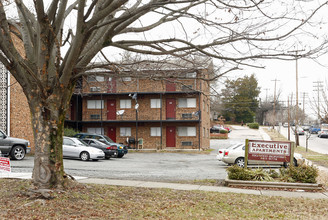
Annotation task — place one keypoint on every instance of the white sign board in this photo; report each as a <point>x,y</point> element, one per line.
<point>5,164</point>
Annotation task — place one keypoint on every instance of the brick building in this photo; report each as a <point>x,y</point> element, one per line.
<point>15,116</point>
<point>173,107</point>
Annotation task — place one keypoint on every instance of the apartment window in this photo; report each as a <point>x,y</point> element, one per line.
<point>96,78</point>
<point>155,103</point>
<point>187,131</point>
<point>191,75</point>
<point>126,79</point>
<point>125,103</point>
<point>95,104</point>
<point>95,130</point>
<point>187,103</point>
<point>125,131</point>
<point>155,131</point>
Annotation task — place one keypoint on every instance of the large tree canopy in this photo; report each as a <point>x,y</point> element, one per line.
<point>240,99</point>
<point>62,39</point>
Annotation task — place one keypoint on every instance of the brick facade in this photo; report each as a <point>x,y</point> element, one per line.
<point>174,123</point>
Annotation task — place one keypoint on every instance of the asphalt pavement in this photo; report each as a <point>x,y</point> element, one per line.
<point>177,186</point>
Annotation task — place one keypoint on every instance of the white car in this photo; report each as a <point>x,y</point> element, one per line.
<point>220,154</point>
<point>323,133</point>
<point>75,148</point>
<point>236,156</point>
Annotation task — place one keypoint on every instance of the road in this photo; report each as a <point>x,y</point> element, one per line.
<point>154,166</point>
<point>315,143</point>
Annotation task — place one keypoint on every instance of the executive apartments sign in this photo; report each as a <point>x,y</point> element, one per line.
<point>277,151</point>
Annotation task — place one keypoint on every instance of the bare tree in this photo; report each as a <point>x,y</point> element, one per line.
<point>61,41</point>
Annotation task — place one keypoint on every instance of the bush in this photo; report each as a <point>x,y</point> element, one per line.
<point>239,173</point>
<point>70,132</point>
<point>302,174</point>
<point>253,125</point>
<point>223,131</point>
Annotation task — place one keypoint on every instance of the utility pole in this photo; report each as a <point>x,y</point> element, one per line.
<point>318,89</point>
<point>288,118</point>
<point>266,94</point>
<point>304,95</point>
<point>274,102</point>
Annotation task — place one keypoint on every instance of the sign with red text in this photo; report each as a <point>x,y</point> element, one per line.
<point>277,151</point>
<point>5,164</point>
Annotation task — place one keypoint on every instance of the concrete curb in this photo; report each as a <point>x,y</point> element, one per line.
<point>279,185</point>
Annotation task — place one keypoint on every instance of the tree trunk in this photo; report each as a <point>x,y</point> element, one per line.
<point>48,118</point>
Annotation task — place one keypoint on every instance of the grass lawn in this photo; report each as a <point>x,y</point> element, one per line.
<point>112,202</point>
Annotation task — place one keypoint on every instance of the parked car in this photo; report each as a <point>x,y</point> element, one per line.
<point>236,156</point>
<point>75,148</point>
<point>323,133</point>
<point>299,131</point>
<point>220,154</point>
<point>285,125</point>
<point>15,148</point>
<point>306,127</point>
<point>314,129</point>
<point>122,149</point>
<point>109,150</point>
<point>217,129</point>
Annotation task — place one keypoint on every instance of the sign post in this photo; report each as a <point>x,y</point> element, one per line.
<point>246,153</point>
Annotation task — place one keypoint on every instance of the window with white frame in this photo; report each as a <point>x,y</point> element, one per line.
<point>95,130</point>
<point>187,102</point>
<point>155,103</point>
<point>126,79</point>
<point>125,103</point>
<point>191,75</point>
<point>125,131</point>
<point>95,104</point>
<point>155,131</point>
<point>96,78</point>
<point>187,131</point>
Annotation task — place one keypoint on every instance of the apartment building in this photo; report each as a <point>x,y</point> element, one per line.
<point>166,110</point>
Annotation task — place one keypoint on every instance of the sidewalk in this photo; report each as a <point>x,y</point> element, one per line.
<point>178,186</point>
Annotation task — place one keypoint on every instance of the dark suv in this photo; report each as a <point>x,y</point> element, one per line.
<point>121,149</point>
<point>16,148</point>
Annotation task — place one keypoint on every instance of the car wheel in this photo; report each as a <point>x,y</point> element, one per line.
<point>120,155</point>
<point>85,156</point>
<point>295,162</point>
<point>240,162</point>
<point>17,153</point>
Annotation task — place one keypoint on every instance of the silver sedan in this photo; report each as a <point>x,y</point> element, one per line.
<point>75,148</point>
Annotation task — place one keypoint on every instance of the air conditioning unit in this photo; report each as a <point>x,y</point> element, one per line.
<point>94,116</point>
<point>94,89</point>
<point>186,115</point>
<point>186,143</point>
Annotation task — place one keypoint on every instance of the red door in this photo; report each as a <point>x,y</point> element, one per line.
<point>170,136</point>
<point>170,108</point>
<point>170,86</point>
<point>112,133</point>
<point>111,109</point>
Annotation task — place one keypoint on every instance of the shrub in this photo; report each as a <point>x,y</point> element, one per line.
<point>223,131</point>
<point>70,132</point>
<point>261,175</point>
<point>273,174</point>
<point>239,173</point>
<point>253,125</point>
<point>303,173</point>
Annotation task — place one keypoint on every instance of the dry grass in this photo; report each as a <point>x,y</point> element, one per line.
<point>111,202</point>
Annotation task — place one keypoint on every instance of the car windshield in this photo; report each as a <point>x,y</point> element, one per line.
<point>108,139</point>
<point>81,142</point>
<point>99,142</point>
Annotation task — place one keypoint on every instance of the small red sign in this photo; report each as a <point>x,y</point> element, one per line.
<point>5,164</point>
<point>276,151</point>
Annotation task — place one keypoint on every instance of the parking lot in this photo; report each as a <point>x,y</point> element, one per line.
<point>153,166</point>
